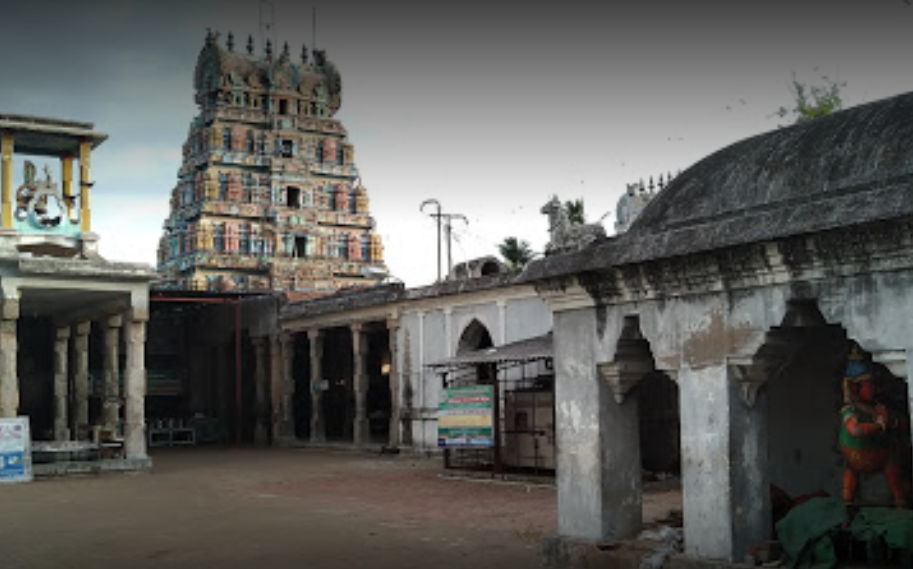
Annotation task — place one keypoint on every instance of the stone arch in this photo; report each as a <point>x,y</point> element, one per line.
<point>634,370</point>
<point>633,360</point>
<point>475,336</point>
<point>789,408</point>
<point>490,267</point>
<point>637,392</point>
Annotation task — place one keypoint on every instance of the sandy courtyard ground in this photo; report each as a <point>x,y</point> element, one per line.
<point>266,508</point>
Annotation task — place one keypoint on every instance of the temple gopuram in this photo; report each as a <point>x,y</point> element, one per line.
<point>268,196</point>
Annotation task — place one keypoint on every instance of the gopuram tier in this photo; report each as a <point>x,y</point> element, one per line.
<point>268,195</point>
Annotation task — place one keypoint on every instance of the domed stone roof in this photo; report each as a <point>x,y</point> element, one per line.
<point>851,167</point>
<point>847,168</point>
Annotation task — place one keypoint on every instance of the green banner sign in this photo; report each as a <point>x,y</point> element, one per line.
<point>465,418</point>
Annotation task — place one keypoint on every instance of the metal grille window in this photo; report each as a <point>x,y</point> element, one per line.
<point>249,193</point>
<point>342,246</point>
<point>218,237</point>
<point>223,186</point>
<point>366,247</point>
<point>244,240</point>
<point>520,380</point>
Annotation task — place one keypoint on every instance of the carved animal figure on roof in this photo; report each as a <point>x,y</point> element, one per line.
<point>563,236</point>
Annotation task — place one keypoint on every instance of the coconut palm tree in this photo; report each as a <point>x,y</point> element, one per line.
<point>575,212</point>
<point>516,252</point>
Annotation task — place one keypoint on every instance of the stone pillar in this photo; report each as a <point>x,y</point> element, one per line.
<point>135,388</point>
<point>261,404</point>
<point>318,424</point>
<point>85,171</point>
<point>277,382</point>
<point>6,179</point>
<point>285,392</point>
<point>502,322</point>
<point>909,378</point>
<point>9,347</point>
<point>360,427</point>
<point>598,472</point>
<point>449,348</point>
<point>724,455</point>
<point>80,376</point>
<point>66,177</point>
<point>61,384</point>
<point>393,344</point>
<point>111,373</point>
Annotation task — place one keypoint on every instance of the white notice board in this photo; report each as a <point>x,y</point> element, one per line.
<point>15,450</point>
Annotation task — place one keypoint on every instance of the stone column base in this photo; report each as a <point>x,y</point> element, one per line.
<point>570,553</point>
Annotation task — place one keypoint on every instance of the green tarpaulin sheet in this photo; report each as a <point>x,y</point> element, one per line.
<point>807,532</point>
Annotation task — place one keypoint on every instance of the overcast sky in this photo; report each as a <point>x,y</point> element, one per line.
<point>488,107</point>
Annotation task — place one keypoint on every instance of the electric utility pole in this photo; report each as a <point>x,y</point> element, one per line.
<point>448,232</point>
<point>436,215</point>
<point>445,221</point>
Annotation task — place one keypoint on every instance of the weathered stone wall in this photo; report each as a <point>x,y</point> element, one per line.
<point>758,369</point>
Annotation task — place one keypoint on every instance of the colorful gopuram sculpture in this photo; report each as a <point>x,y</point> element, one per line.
<point>268,196</point>
<point>874,436</point>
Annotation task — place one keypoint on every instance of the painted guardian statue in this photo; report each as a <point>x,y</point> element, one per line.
<point>874,433</point>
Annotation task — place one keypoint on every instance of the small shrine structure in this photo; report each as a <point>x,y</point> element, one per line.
<point>770,282</point>
<point>63,306</point>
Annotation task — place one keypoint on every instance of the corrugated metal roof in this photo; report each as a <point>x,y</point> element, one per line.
<point>530,349</point>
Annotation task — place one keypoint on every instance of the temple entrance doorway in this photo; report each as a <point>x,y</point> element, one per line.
<point>377,370</point>
<point>339,396</point>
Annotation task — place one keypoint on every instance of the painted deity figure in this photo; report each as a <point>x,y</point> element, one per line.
<point>874,438</point>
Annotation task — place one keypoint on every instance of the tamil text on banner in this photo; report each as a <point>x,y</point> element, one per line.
<point>465,417</point>
<point>15,450</point>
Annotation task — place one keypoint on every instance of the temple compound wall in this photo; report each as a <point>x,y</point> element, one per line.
<point>764,281</point>
<point>268,196</point>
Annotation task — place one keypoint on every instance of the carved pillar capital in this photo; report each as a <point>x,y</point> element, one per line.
<point>82,328</point>
<point>10,309</point>
<point>754,372</point>
<point>633,360</point>
<point>622,377</point>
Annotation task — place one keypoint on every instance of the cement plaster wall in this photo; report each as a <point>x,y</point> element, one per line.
<point>875,309</point>
<point>706,490</point>
<point>433,335</point>
<point>579,396</point>
<point>526,318</point>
